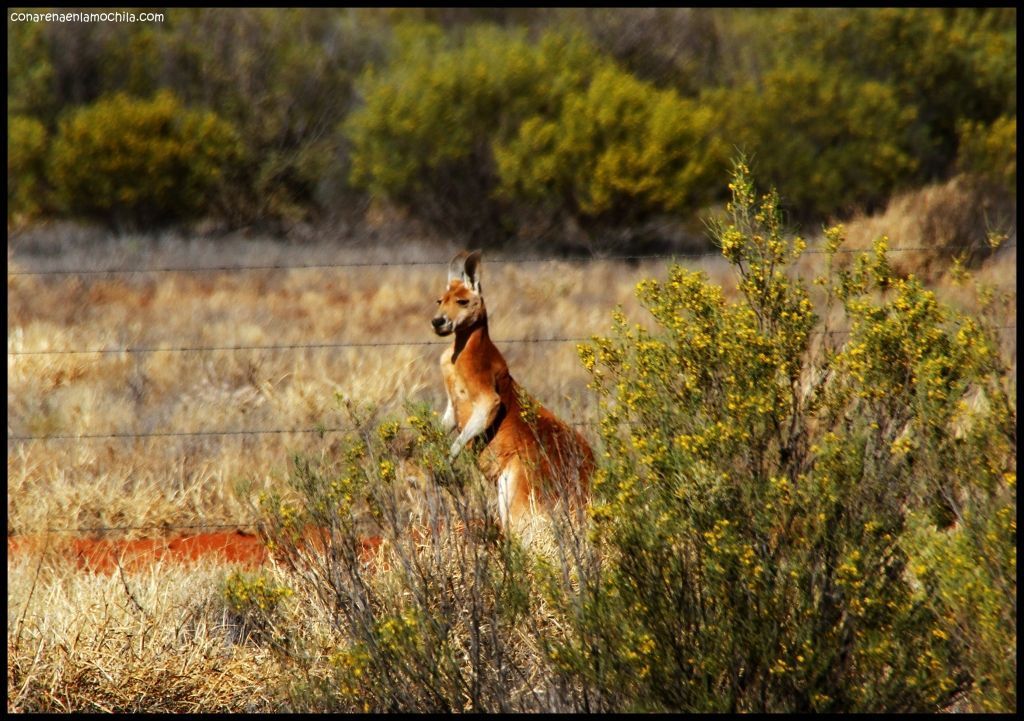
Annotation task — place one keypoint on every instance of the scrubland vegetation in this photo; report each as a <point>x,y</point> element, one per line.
<point>498,124</point>
<point>806,494</point>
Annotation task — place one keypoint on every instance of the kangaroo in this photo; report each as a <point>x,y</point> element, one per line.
<point>534,459</point>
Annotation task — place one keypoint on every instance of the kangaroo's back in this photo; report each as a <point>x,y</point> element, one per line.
<point>556,458</point>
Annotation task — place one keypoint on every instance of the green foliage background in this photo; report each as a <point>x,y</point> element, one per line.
<point>141,161</point>
<point>482,120</point>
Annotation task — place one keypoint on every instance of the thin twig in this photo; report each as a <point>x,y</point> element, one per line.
<point>28,602</point>
<point>128,591</point>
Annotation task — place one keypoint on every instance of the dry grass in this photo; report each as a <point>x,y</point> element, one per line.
<point>184,480</point>
<point>159,640</point>
<point>950,219</point>
<point>954,218</point>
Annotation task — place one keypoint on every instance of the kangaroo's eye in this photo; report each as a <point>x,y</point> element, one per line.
<point>462,301</point>
<point>439,301</point>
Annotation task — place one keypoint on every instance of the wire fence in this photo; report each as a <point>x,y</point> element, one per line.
<point>318,346</point>
<point>292,346</point>
<point>321,431</point>
<point>348,344</point>
<point>303,346</point>
<point>284,431</point>
<point>180,434</point>
<point>631,258</point>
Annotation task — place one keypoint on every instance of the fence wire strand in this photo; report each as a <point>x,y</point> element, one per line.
<point>293,346</point>
<point>155,527</point>
<point>313,346</point>
<point>320,430</point>
<point>631,258</point>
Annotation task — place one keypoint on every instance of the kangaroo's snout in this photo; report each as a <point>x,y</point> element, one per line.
<point>442,326</point>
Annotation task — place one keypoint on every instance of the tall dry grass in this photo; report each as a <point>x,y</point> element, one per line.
<point>184,480</point>
<point>955,218</point>
<point>157,640</point>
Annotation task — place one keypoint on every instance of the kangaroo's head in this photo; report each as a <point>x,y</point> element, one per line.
<point>462,305</point>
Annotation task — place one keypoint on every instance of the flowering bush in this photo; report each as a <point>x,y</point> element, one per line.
<point>127,160</point>
<point>619,149</point>
<point>424,135</point>
<point>255,602</point>
<point>761,478</point>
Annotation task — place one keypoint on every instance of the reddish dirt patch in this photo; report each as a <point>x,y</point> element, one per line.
<point>231,547</point>
<point>103,556</point>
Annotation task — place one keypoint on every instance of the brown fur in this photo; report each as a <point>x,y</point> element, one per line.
<point>534,458</point>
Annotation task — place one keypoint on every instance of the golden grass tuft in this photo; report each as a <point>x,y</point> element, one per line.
<point>946,219</point>
<point>157,640</point>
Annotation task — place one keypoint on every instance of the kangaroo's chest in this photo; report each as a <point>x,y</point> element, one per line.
<point>460,391</point>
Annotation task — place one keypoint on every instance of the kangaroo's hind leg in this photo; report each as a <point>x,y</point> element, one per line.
<point>516,503</point>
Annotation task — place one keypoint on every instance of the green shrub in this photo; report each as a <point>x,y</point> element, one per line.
<point>426,622</point>
<point>285,78</point>
<point>27,145</point>
<point>30,72</point>
<point>948,64</point>
<point>56,66</point>
<point>759,479</point>
<point>438,97</point>
<point>463,133</point>
<point>129,161</point>
<point>619,149</point>
<point>829,142</point>
<point>432,114</point>
<point>255,602</point>
<point>969,572</point>
<point>991,150</point>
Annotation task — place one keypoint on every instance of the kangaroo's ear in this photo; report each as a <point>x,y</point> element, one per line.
<point>457,267</point>
<point>473,271</point>
<point>466,267</point>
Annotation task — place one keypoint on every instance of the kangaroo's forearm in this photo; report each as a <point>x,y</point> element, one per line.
<point>482,416</point>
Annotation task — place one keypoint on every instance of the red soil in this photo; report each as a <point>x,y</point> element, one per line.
<point>103,556</point>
